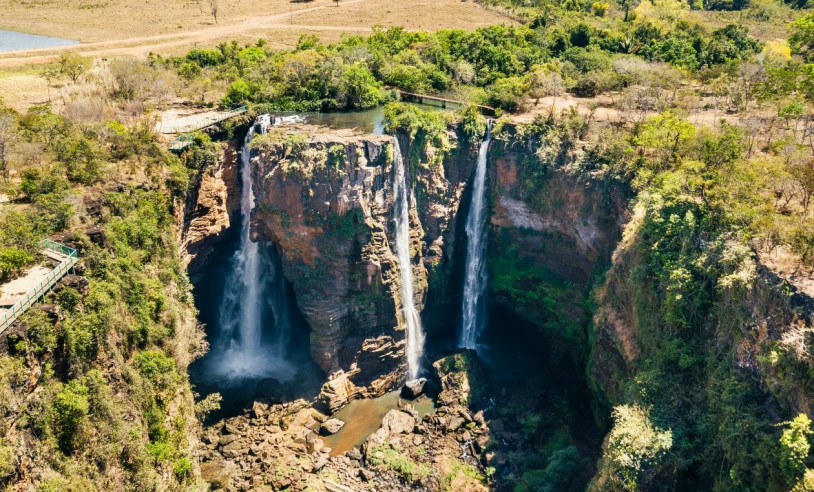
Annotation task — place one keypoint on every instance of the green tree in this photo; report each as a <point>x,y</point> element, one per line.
<point>633,445</point>
<point>12,260</point>
<point>73,66</point>
<point>68,412</point>
<point>358,87</point>
<point>664,135</point>
<point>795,446</point>
<point>801,36</point>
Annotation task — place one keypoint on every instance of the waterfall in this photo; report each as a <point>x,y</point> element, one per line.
<point>254,289</point>
<point>476,239</point>
<point>415,333</point>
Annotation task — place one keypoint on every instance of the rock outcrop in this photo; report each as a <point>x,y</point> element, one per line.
<point>551,226</point>
<point>326,201</point>
<point>212,206</point>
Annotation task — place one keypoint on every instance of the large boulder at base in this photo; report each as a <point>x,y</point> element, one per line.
<point>331,426</point>
<point>413,389</point>
<point>217,472</point>
<point>394,423</point>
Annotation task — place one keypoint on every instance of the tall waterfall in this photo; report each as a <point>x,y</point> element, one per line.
<point>254,298</point>
<point>476,240</point>
<point>415,332</point>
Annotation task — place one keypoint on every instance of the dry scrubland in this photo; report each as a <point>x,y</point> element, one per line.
<point>157,24</point>
<point>127,28</point>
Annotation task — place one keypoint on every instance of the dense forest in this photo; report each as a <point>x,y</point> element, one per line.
<point>699,112</point>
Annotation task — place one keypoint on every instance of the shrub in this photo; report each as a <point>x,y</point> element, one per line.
<point>158,368</point>
<point>391,456</point>
<point>12,260</point>
<point>69,411</point>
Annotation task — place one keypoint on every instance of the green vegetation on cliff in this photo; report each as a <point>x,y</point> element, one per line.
<point>96,384</point>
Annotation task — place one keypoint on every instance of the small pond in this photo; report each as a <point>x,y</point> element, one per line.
<point>364,417</point>
<point>16,41</point>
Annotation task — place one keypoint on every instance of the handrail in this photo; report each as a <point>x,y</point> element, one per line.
<point>33,295</point>
<point>206,122</point>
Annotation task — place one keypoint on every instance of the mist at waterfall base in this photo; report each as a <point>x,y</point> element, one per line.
<point>258,339</point>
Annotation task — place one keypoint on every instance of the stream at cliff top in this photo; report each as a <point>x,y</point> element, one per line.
<point>363,417</point>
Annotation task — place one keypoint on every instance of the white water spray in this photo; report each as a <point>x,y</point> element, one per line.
<point>415,332</point>
<point>245,349</point>
<point>476,240</point>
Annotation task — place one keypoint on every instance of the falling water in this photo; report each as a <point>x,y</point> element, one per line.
<point>244,348</point>
<point>475,277</point>
<point>415,333</point>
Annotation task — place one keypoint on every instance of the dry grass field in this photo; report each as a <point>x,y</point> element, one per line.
<point>126,27</point>
<point>136,27</point>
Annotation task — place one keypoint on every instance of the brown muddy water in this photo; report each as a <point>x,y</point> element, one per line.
<point>364,417</point>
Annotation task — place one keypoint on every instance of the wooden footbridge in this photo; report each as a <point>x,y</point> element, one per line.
<point>66,259</point>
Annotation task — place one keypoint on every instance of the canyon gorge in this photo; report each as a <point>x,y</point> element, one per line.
<point>560,321</point>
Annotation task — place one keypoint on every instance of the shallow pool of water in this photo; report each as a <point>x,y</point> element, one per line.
<point>363,417</point>
<point>15,41</point>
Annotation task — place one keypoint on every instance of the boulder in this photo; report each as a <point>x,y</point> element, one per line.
<point>320,463</point>
<point>217,472</point>
<point>366,475</point>
<point>413,389</point>
<point>454,424</point>
<point>312,443</point>
<point>227,439</point>
<point>394,423</point>
<point>331,426</point>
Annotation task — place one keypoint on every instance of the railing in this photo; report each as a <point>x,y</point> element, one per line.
<point>206,122</point>
<point>26,301</point>
<point>181,143</point>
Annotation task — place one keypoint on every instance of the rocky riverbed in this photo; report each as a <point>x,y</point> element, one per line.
<point>280,446</point>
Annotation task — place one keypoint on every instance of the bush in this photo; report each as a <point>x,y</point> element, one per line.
<point>69,411</point>
<point>12,260</point>
<point>158,368</point>
<point>391,457</point>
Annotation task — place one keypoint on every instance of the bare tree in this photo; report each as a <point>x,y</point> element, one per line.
<point>51,74</point>
<point>214,6</point>
<point>6,135</point>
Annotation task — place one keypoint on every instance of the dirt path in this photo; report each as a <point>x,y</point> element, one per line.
<point>140,46</point>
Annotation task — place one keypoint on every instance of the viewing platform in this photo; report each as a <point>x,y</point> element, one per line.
<point>36,283</point>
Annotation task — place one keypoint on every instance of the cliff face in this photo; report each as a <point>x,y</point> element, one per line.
<point>326,202</point>
<point>212,205</point>
<point>713,339</point>
<point>551,228</point>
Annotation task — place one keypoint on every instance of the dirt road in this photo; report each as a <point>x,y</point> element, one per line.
<point>140,46</point>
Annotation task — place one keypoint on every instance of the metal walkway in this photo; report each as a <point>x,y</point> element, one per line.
<point>67,258</point>
<point>212,120</point>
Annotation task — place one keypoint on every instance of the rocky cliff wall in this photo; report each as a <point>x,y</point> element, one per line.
<point>326,201</point>
<point>551,230</point>
<point>211,207</point>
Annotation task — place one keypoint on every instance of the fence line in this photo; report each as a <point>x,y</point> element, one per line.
<point>45,285</point>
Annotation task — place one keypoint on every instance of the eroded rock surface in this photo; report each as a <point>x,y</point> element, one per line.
<point>327,204</point>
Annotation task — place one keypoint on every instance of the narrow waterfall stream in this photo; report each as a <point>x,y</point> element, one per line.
<point>254,298</point>
<point>415,332</point>
<point>476,237</point>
